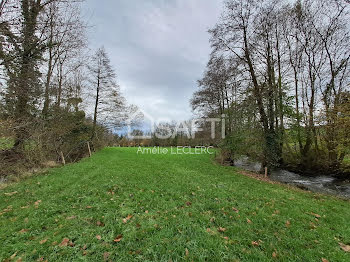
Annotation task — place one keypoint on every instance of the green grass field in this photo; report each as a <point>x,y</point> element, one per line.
<point>120,206</point>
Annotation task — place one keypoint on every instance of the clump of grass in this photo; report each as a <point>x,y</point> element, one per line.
<point>6,143</point>
<point>123,206</point>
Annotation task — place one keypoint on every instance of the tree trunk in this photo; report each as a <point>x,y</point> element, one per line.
<point>96,107</point>
<point>49,71</point>
<point>24,81</point>
<point>269,135</point>
<point>59,89</point>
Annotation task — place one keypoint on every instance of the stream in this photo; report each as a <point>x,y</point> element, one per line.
<point>319,184</point>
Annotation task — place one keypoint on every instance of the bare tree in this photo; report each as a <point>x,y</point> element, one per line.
<point>331,26</point>
<point>246,32</point>
<point>65,38</point>
<point>292,59</point>
<point>106,91</point>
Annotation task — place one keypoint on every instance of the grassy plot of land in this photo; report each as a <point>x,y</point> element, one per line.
<point>120,206</point>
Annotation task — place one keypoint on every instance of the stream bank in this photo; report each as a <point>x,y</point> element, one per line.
<point>321,183</point>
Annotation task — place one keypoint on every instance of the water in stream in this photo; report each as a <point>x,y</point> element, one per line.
<point>320,184</point>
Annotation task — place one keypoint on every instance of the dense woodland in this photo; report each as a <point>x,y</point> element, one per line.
<point>279,70</point>
<point>56,94</point>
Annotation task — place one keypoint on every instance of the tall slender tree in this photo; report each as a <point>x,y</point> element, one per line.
<point>105,89</point>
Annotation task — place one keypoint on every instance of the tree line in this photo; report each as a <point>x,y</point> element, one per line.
<point>279,71</point>
<point>55,93</point>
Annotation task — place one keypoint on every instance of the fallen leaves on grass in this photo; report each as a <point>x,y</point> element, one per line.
<point>249,221</point>
<point>346,248</point>
<point>71,218</point>
<point>43,241</point>
<point>221,229</point>
<point>64,242</point>
<point>235,209</point>
<point>125,220</point>
<point>274,254</point>
<point>256,243</point>
<point>8,209</point>
<point>324,260</point>
<point>23,231</point>
<point>36,204</point>
<point>312,225</point>
<point>188,204</point>
<point>118,238</point>
<point>110,192</point>
<point>11,193</point>
<point>315,215</point>
<point>276,212</point>
<point>42,259</point>
<point>84,250</point>
<point>98,237</point>
<point>288,223</point>
<point>187,252</point>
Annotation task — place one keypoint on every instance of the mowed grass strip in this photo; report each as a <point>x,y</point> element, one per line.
<point>123,206</point>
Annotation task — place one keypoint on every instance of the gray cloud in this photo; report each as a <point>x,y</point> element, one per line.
<point>158,47</point>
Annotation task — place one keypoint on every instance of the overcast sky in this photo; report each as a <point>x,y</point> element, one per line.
<point>159,49</point>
